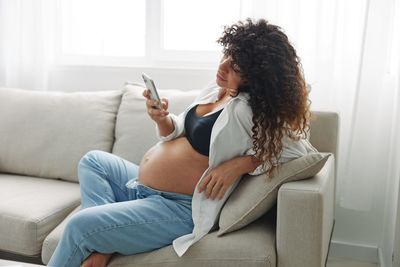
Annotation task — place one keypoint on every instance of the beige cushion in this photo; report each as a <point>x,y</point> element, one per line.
<point>30,208</point>
<point>253,246</point>
<point>45,134</point>
<point>51,241</point>
<point>133,123</point>
<point>324,131</point>
<point>257,194</point>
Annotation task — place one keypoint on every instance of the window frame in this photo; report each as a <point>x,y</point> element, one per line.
<point>155,55</point>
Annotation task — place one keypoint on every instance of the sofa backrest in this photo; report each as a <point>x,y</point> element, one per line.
<point>324,131</point>
<point>135,131</point>
<point>45,134</point>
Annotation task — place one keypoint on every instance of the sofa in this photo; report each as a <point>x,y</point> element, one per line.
<point>43,135</point>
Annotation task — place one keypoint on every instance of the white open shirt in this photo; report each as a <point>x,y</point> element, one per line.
<point>231,137</point>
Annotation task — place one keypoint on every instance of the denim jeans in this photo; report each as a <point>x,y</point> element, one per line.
<point>119,214</point>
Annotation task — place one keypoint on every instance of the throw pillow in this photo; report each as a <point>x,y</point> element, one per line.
<point>255,195</point>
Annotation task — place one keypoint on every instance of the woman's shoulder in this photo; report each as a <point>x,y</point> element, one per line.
<point>240,104</point>
<point>241,112</point>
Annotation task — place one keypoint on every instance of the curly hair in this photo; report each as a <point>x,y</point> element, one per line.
<point>273,78</point>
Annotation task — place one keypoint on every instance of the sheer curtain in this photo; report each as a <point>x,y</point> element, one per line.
<point>27,43</point>
<point>346,51</point>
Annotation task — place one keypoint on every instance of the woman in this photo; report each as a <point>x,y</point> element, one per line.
<point>254,119</point>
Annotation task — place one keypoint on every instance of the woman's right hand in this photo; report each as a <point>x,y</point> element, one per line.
<point>157,115</point>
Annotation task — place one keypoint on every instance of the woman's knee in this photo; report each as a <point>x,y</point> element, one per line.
<point>91,160</point>
<point>79,228</point>
<point>74,228</point>
<point>91,157</point>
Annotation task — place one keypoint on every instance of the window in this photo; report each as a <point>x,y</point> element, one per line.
<point>103,27</point>
<point>196,25</point>
<point>145,33</point>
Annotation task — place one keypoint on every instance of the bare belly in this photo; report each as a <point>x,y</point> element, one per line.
<point>172,166</point>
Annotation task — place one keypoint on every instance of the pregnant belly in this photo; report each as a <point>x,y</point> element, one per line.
<point>172,166</point>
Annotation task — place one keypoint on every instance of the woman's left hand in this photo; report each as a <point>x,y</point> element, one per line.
<point>218,180</point>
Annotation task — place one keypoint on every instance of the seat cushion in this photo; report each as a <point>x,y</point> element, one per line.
<point>251,246</point>
<point>30,208</point>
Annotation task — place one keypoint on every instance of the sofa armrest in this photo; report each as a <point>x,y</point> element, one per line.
<point>305,219</point>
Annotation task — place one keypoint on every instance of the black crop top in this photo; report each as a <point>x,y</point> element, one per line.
<point>198,130</point>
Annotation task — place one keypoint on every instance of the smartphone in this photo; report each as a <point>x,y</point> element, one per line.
<point>153,91</point>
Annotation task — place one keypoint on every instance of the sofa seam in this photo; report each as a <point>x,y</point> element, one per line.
<point>313,191</point>
<point>115,121</point>
<point>37,230</point>
<point>36,223</point>
<point>56,212</point>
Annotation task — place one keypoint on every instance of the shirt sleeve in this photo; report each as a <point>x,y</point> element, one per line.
<point>291,150</point>
<point>179,121</point>
<point>179,129</point>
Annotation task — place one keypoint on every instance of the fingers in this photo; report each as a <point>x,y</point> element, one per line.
<point>154,112</point>
<point>216,191</point>
<point>164,103</point>
<point>151,105</point>
<point>204,182</point>
<point>212,187</point>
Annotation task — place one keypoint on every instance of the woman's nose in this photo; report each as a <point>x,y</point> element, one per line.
<point>224,65</point>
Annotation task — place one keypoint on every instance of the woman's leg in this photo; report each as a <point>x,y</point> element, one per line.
<point>102,178</point>
<point>152,221</point>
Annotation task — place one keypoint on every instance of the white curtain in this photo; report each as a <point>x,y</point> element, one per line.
<point>27,43</point>
<point>347,52</point>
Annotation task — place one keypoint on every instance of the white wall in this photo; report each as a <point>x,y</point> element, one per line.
<point>87,78</point>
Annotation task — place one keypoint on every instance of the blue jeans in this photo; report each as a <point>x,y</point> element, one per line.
<point>119,214</point>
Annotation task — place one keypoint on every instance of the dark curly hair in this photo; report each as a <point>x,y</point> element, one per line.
<point>273,78</point>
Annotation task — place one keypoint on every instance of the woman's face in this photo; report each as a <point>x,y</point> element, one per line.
<point>227,77</point>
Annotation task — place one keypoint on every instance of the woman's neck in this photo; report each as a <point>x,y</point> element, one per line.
<point>223,95</point>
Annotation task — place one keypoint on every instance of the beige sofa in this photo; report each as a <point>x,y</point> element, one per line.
<point>43,135</point>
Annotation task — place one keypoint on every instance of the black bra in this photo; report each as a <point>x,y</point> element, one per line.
<point>198,130</point>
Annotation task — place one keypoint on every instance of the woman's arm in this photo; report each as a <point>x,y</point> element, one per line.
<point>165,126</point>
<point>243,164</point>
<point>166,123</point>
<point>218,180</point>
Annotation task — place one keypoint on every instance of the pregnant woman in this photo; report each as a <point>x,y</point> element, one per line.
<point>254,118</point>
